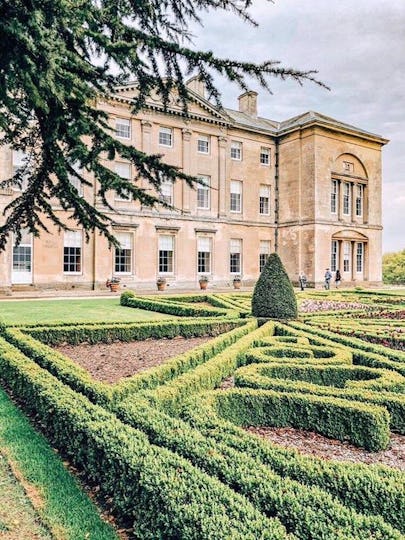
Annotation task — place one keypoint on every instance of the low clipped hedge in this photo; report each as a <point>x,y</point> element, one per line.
<point>364,425</point>
<point>376,490</point>
<point>80,380</point>
<point>261,376</point>
<point>107,333</point>
<point>180,309</point>
<point>307,512</point>
<point>209,374</point>
<point>364,353</point>
<point>160,492</point>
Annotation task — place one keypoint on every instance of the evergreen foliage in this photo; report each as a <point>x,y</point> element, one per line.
<point>59,58</point>
<point>273,296</point>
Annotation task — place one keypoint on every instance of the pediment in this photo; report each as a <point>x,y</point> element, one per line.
<point>198,107</point>
<point>348,234</point>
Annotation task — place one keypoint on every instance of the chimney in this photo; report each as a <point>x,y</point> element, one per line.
<point>197,85</point>
<point>248,103</point>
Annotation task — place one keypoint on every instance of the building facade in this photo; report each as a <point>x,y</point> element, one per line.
<point>308,188</point>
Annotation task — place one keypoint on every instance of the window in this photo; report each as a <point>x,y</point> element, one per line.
<point>166,191</point>
<point>203,193</point>
<point>346,257</point>
<point>346,198</point>
<point>166,254</point>
<point>76,182</point>
<point>22,258</point>
<point>264,252</point>
<point>203,144</point>
<point>236,196</point>
<point>20,159</point>
<point>123,254</point>
<point>72,252</point>
<point>123,128</point>
<point>334,256</point>
<point>165,136</point>
<point>235,256</point>
<point>333,196</point>
<point>359,257</point>
<point>264,200</point>
<point>236,150</point>
<point>359,200</point>
<point>123,170</point>
<point>265,156</point>
<point>204,255</point>
<point>348,166</point>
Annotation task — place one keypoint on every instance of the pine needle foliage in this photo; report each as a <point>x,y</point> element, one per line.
<point>273,296</point>
<point>59,58</point>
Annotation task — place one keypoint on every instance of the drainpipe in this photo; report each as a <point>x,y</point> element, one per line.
<point>276,193</point>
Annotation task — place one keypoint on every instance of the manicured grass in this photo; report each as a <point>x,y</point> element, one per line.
<point>66,509</point>
<point>17,516</point>
<point>98,309</point>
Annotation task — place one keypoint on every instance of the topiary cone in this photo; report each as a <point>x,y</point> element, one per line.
<point>274,295</point>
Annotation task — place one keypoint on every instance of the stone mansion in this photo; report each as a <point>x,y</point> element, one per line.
<point>308,188</point>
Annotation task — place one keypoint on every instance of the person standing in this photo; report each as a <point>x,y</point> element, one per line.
<point>328,277</point>
<point>302,279</point>
<point>338,278</point>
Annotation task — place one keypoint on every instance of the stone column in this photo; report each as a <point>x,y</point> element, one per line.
<point>186,190</point>
<point>222,158</point>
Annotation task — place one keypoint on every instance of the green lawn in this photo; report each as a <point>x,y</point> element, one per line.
<point>66,310</point>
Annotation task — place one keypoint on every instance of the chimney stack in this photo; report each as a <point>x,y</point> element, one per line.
<point>197,85</point>
<point>248,103</point>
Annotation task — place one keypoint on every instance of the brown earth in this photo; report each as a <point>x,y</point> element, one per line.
<point>110,362</point>
<point>314,445</point>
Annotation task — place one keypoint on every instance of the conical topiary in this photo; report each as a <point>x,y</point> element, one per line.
<point>274,295</point>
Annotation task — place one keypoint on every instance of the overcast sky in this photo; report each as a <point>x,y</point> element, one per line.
<point>358,48</point>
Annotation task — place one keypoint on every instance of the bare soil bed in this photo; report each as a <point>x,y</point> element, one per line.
<point>314,445</point>
<point>110,362</point>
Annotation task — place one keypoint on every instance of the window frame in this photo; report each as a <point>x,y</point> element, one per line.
<point>267,154</point>
<point>233,197</point>
<point>232,253</point>
<point>80,248</point>
<point>210,243</point>
<point>346,198</point>
<point>131,254</point>
<point>171,259</point>
<point>238,147</point>
<point>334,253</point>
<point>334,196</point>
<point>346,256</point>
<point>361,259</point>
<point>204,139</point>
<point>165,130</point>
<point>359,200</point>
<point>205,189</point>
<point>264,254</point>
<point>262,203</point>
<point>117,197</point>
<point>119,136</point>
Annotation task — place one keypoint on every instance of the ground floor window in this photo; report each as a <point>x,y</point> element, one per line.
<point>235,256</point>
<point>204,255</point>
<point>360,257</point>
<point>166,254</point>
<point>72,252</point>
<point>264,252</point>
<point>334,256</point>
<point>346,256</point>
<point>123,254</point>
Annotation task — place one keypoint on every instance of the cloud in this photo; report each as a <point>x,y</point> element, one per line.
<point>358,49</point>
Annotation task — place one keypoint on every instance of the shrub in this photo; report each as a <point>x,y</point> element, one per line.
<point>273,296</point>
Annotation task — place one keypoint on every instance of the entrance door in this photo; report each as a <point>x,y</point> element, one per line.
<point>22,260</point>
